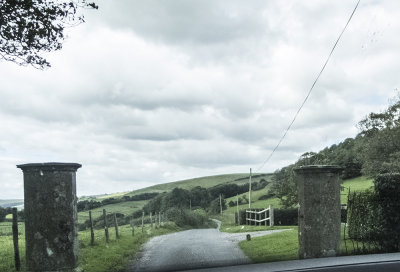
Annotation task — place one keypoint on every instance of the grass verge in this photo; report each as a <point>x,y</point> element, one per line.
<point>115,255</point>
<point>100,257</point>
<point>282,246</point>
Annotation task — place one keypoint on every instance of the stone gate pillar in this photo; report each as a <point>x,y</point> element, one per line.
<point>50,216</point>
<point>319,213</point>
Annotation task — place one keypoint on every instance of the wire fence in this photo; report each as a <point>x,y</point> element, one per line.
<point>95,228</point>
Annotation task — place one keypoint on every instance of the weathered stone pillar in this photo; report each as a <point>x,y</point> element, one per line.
<point>50,216</point>
<point>319,212</point>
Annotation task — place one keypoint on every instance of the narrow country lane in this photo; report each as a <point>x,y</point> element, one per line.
<point>196,248</point>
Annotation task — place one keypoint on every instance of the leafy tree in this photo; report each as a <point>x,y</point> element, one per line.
<point>284,186</point>
<point>381,133</point>
<point>28,28</point>
<point>200,197</point>
<point>215,207</point>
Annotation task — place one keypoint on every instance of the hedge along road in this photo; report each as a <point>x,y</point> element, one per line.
<point>190,249</point>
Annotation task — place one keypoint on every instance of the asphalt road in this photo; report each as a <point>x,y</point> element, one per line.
<point>197,248</point>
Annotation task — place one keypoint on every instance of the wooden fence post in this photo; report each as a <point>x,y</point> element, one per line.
<point>159,219</point>
<point>265,216</point>
<point>271,216</point>
<point>133,228</point>
<point>151,220</point>
<point>105,226</point>
<point>91,229</point>
<point>116,226</point>
<point>15,239</point>
<point>142,221</point>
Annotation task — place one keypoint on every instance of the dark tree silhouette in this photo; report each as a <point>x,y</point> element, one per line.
<point>28,28</point>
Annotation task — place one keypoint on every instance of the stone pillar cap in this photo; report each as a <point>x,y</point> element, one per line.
<point>50,166</point>
<point>318,168</point>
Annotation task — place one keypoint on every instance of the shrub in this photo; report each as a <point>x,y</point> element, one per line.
<point>387,188</point>
<point>363,216</point>
<point>286,217</point>
<point>186,218</point>
<point>267,196</point>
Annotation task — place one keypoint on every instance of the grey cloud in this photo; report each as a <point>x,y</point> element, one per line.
<point>181,21</point>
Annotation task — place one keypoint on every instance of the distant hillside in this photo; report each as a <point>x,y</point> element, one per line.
<point>205,182</point>
<point>5,203</point>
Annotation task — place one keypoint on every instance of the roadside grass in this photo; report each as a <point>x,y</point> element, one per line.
<point>101,257</point>
<point>282,246</point>
<point>115,255</point>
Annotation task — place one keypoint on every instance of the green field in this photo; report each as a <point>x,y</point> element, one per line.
<point>205,182</point>
<point>7,246</point>
<point>355,184</point>
<point>126,208</point>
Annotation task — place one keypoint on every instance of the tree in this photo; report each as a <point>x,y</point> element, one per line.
<point>381,132</point>
<point>284,186</point>
<point>28,28</point>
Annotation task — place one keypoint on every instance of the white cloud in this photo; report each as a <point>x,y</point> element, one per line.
<point>155,91</point>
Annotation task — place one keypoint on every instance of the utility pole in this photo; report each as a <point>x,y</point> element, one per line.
<point>250,190</point>
<point>237,203</point>
<point>237,209</point>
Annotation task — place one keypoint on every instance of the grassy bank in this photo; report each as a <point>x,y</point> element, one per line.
<point>280,246</point>
<point>283,246</point>
<point>113,256</point>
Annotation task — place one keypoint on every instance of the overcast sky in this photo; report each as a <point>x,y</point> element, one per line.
<point>148,92</point>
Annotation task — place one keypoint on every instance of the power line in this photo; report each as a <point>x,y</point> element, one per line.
<point>312,87</point>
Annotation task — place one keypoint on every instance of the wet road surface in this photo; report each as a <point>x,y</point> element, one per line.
<point>196,248</point>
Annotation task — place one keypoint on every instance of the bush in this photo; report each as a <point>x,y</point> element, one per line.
<point>267,196</point>
<point>286,217</point>
<point>363,216</point>
<point>374,216</point>
<point>186,218</point>
<point>387,188</point>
